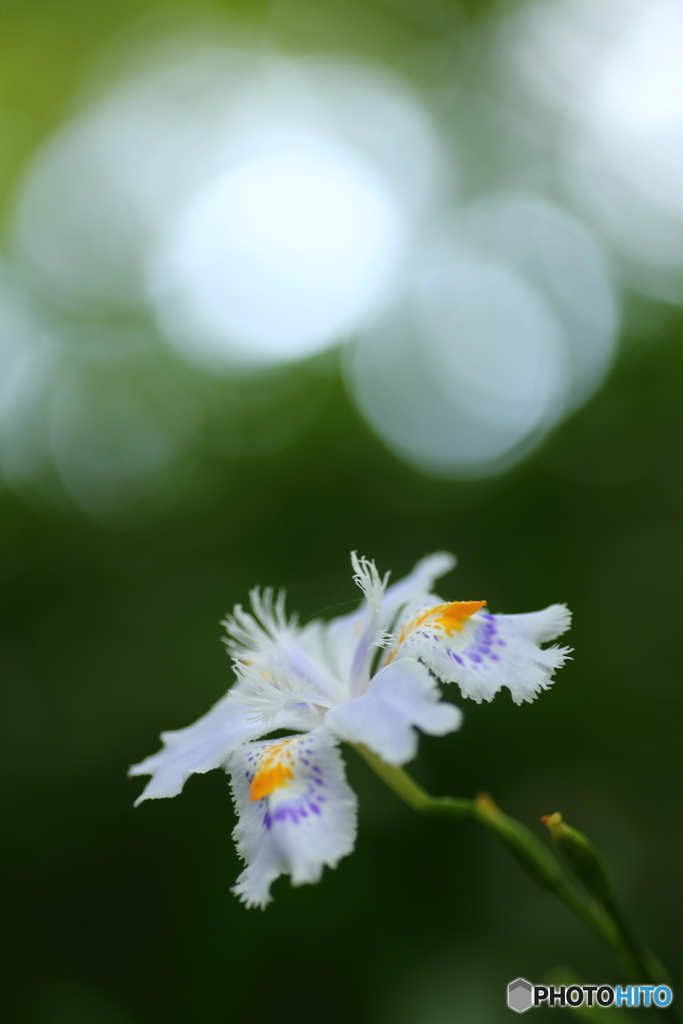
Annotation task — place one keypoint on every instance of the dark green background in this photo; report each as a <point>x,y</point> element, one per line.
<point>122,916</point>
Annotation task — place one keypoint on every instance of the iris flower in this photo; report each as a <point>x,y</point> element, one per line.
<point>348,679</point>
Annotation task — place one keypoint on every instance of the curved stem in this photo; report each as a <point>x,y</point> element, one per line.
<point>537,860</point>
<point>411,792</point>
<point>651,970</point>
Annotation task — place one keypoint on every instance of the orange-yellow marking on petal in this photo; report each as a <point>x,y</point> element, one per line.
<point>449,616</point>
<point>455,615</point>
<point>272,773</point>
<point>269,780</point>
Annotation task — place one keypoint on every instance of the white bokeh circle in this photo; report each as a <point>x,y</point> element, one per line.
<point>279,258</point>
<point>466,375</point>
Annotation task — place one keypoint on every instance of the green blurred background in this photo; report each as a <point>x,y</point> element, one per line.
<point>110,634</point>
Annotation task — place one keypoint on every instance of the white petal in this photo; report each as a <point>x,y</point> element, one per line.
<point>340,638</point>
<point>342,634</point>
<point>545,625</point>
<point>200,747</point>
<point>369,580</point>
<point>305,819</point>
<point>273,666</point>
<point>335,642</point>
<point>416,584</point>
<point>482,653</point>
<point>400,696</point>
<point>372,635</point>
<point>289,683</point>
<point>253,635</point>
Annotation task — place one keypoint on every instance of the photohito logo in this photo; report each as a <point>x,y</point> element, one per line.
<point>522,995</point>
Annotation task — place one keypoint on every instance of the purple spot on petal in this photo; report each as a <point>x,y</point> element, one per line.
<point>474,657</point>
<point>314,808</point>
<point>283,813</point>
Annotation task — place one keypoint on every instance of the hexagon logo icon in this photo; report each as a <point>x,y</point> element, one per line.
<point>520,995</point>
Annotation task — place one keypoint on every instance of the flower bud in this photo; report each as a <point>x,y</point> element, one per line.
<point>522,844</point>
<point>581,857</point>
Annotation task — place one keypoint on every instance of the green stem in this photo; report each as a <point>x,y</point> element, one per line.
<point>535,858</point>
<point>411,792</point>
<point>650,969</point>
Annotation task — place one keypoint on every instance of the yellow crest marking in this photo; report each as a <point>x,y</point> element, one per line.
<point>451,617</point>
<point>454,615</point>
<point>273,773</point>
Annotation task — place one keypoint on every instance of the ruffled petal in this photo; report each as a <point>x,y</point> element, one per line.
<point>372,634</point>
<point>272,664</point>
<point>201,747</point>
<point>400,697</point>
<point>296,811</point>
<point>483,653</point>
<point>545,625</point>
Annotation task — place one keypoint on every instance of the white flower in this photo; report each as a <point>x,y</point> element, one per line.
<point>296,810</point>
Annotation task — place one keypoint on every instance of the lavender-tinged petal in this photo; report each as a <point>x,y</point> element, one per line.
<point>400,698</point>
<point>285,825</point>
